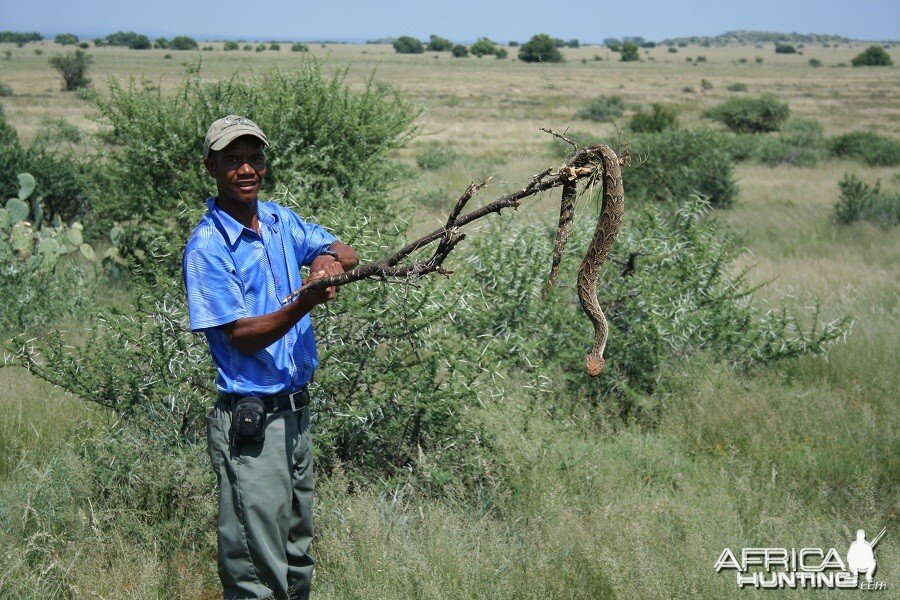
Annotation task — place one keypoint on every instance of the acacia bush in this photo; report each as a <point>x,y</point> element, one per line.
<point>604,108</point>
<point>62,179</point>
<point>660,118</point>
<point>661,309</point>
<point>861,201</point>
<point>873,56</point>
<point>673,165</point>
<point>801,143</point>
<point>870,148</point>
<point>751,115</point>
<point>73,67</point>
<point>483,47</point>
<point>164,133</point>
<point>629,52</point>
<point>408,45</point>
<point>540,48</point>
<point>438,44</point>
<point>183,42</point>
<point>785,49</point>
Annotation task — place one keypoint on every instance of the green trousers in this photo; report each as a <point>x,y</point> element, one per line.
<point>265,506</point>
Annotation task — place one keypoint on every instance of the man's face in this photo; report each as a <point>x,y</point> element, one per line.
<point>239,169</point>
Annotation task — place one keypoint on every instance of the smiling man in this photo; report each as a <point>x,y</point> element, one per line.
<point>241,259</point>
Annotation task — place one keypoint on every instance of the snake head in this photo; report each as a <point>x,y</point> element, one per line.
<point>593,364</point>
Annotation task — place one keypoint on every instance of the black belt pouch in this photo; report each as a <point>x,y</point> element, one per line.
<point>248,421</point>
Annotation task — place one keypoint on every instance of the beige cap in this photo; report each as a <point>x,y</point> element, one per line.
<point>226,130</point>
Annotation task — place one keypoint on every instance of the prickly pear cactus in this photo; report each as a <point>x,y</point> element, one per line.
<point>5,221</point>
<point>115,234</point>
<point>88,252</point>
<point>74,235</point>
<point>26,185</point>
<point>22,239</point>
<point>18,210</point>
<point>49,250</point>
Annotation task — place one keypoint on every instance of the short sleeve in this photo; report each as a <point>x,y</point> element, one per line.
<point>310,240</point>
<point>214,293</point>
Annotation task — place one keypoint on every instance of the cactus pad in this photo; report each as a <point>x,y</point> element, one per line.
<point>18,210</point>
<point>5,221</point>
<point>87,251</point>
<point>73,235</point>
<point>22,239</point>
<point>26,185</point>
<point>115,234</point>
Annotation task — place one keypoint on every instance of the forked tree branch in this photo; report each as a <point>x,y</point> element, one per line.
<point>581,164</point>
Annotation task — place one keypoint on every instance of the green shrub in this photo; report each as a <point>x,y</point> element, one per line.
<point>669,305</point>
<point>660,118</point>
<point>260,47</point>
<point>230,46</point>
<point>672,50</point>
<point>785,49</point>
<point>801,143</point>
<point>66,39</point>
<point>629,52</point>
<point>873,56</point>
<point>274,46</point>
<point>540,48</point>
<point>860,201</point>
<point>84,45</point>
<point>5,90</point>
<point>408,45</point>
<point>751,115</point>
<point>247,47</point>
<point>438,44</point>
<point>340,150</point>
<point>54,132</point>
<point>129,39</point>
<point>870,148</point>
<point>604,108</point>
<point>298,47</point>
<point>815,63</point>
<point>435,156</point>
<point>501,53</point>
<point>483,47</point>
<point>460,51</point>
<point>705,84</point>
<point>73,67</point>
<point>701,59</point>
<point>675,164</point>
<point>161,43</point>
<point>183,42</point>
<point>736,87</point>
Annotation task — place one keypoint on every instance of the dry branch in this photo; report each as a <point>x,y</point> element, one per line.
<point>582,163</point>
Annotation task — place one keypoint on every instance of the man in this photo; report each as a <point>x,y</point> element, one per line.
<point>240,261</point>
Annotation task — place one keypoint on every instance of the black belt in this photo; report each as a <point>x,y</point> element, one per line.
<point>294,401</point>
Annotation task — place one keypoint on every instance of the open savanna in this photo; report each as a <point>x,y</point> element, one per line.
<point>798,455</point>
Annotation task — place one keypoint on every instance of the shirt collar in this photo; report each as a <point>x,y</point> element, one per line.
<point>232,227</point>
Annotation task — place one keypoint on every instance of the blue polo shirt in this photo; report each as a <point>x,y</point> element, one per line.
<point>231,272</point>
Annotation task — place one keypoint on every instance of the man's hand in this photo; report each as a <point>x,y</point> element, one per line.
<point>323,266</point>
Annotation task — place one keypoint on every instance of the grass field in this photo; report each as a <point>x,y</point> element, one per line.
<point>799,455</point>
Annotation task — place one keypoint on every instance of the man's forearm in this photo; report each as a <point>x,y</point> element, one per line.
<point>252,334</point>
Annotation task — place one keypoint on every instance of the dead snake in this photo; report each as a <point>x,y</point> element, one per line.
<point>608,225</point>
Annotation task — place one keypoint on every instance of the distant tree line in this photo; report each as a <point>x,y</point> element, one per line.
<point>20,38</point>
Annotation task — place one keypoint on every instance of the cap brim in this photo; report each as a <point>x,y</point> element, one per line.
<point>235,134</point>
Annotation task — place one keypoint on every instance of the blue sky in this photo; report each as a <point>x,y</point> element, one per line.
<point>460,20</point>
